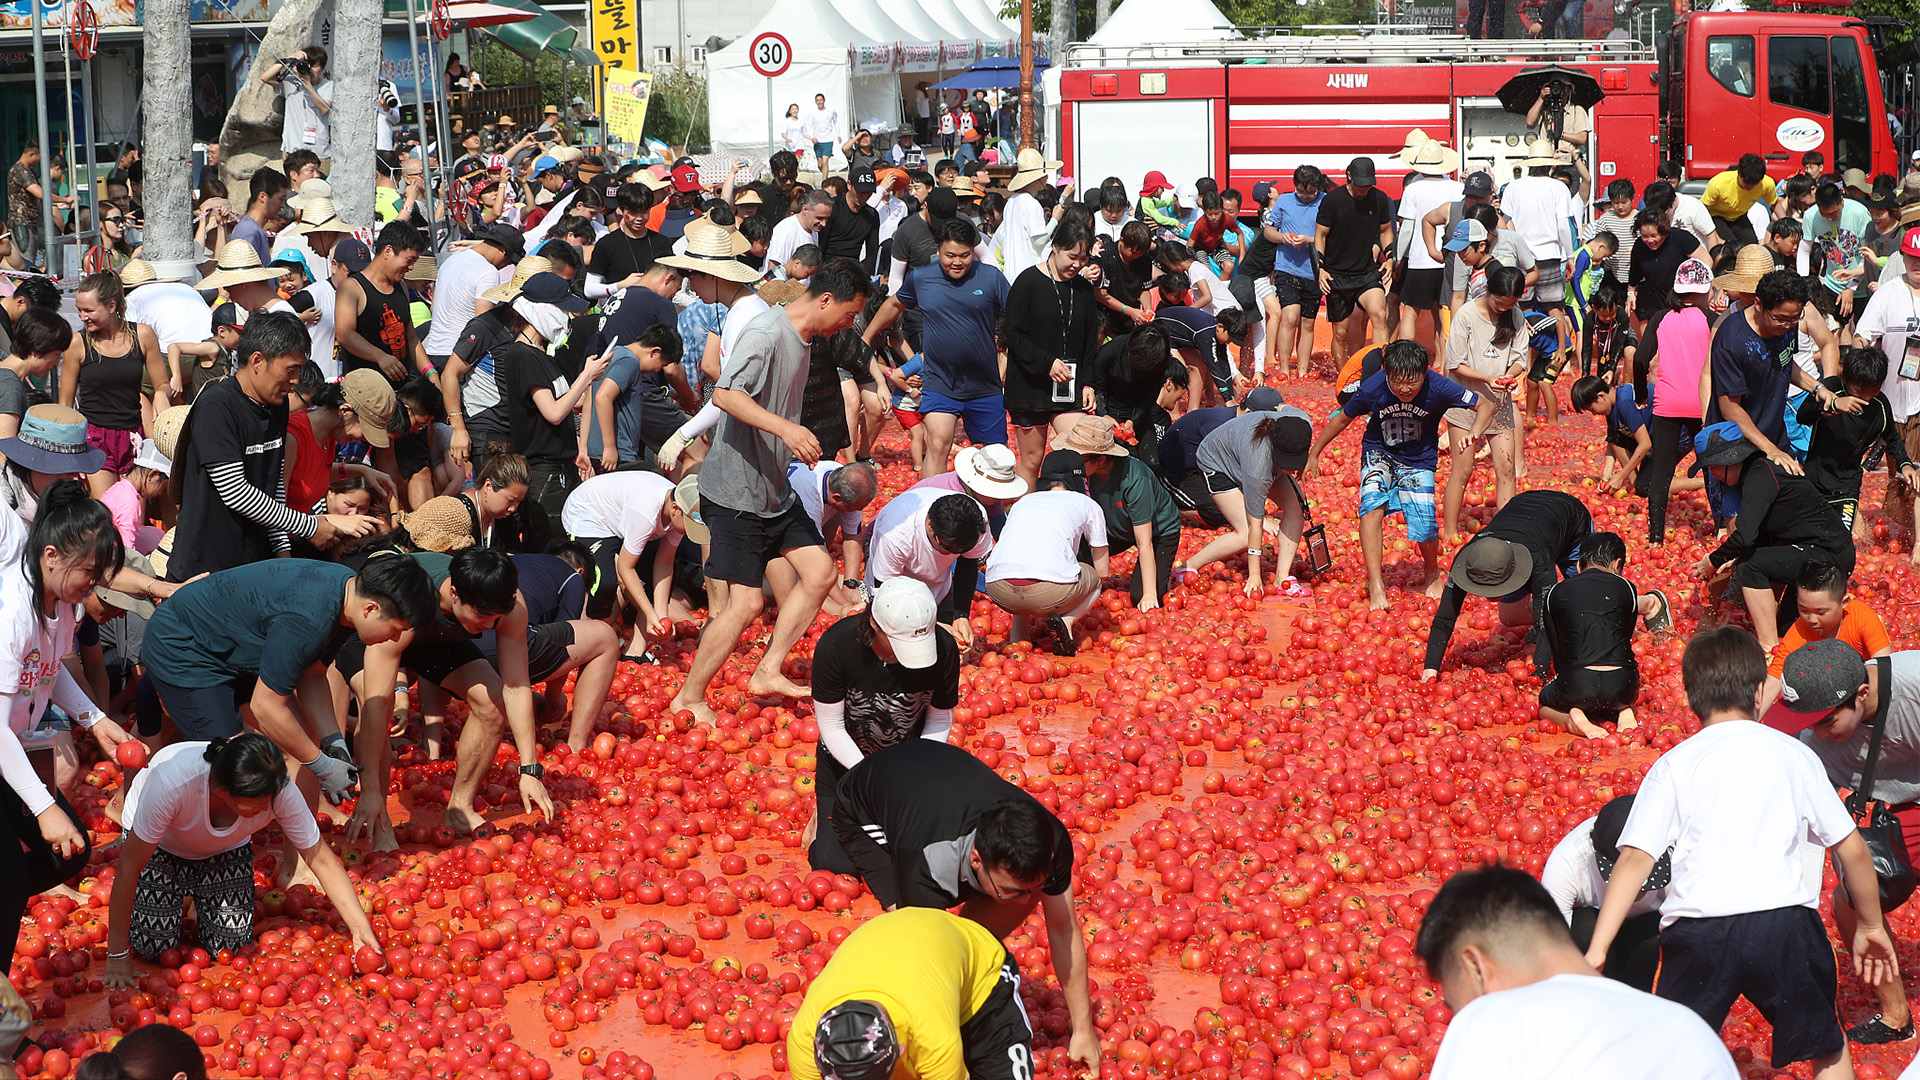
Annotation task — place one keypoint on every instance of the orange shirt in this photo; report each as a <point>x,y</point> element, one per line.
<point>1859,627</point>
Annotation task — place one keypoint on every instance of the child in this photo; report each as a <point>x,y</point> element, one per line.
<point>1783,242</point>
<point>1405,403</point>
<point>1551,334</point>
<point>1589,273</point>
<point>612,423</point>
<point>1589,624</point>
<point>1828,609</point>
<point>140,496</point>
<point>1737,803</point>
<point>1839,441</point>
<point>1607,342</point>
<point>213,359</point>
<point>1628,439</point>
<point>905,400</point>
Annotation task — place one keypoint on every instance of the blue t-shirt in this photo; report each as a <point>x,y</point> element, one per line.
<point>1407,431</point>
<point>1755,371</point>
<point>1290,215</point>
<point>1627,415</point>
<point>553,589</point>
<point>957,330</point>
<point>624,372</point>
<point>1178,445</point>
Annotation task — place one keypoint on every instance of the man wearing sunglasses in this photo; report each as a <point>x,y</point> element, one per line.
<point>930,825</point>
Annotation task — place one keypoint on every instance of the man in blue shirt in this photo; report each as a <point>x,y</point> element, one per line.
<point>1405,404</point>
<point>1628,439</point>
<point>1290,227</point>
<point>960,301</point>
<point>1753,369</point>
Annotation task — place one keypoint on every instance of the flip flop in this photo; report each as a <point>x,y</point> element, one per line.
<point>1661,621</point>
<point>641,658</point>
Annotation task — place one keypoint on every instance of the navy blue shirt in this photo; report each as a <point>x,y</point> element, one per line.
<point>1407,431</point>
<point>1184,437</point>
<point>624,316</point>
<point>1627,415</point>
<point>959,321</point>
<point>553,589</point>
<point>1755,371</point>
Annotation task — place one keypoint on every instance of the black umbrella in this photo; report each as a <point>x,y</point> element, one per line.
<point>1519,93</point>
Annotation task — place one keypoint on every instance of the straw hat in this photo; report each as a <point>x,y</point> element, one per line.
<point>167,427</point>
<point>1909,215</point>
<point>320,216</point>
<point>424,268</point>
<point>963,188</point>
<point>136,273</point>
<point>747,197</point>
<point>158,559</point>
<point>508,292</point>
<point>310,190</point>
<point>1433,158</point>
<point>237,264</point>
<point>1541,152</point>
<point>741,245</point>
<point>781,292</point>
<point>441,524</point>
<point>1031,167</point>
<point>1093,435</point>
<point>1750,264</point>
<point>714,250</point>
<point>1415,140</point>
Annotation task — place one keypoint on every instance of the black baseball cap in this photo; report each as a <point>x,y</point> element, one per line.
<point>228,313</point>
<point>352,253</point>
<point>1360,171</point>
<point>550,288</point>
<point>1478,184</point>
<point>855,1040</point>
<point>503,236</point>
<point>1608,824</point>
<point>1817,678</point>
<point>1064,467</point>
<point>1262,399</point>
<point>1292,437</point>
<point>863,180</point>
<point>1260,192</point>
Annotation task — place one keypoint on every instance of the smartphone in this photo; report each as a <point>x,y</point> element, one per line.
<point>1063,391</point>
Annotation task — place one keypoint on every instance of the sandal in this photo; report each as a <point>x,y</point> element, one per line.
<point>1063,643</point>
<point>1661,621</point>
<point>641,658</point>
<point>1877,1031</point>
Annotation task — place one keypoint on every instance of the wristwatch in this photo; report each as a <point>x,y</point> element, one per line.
<point>535,770</point>
<point>850,583</point>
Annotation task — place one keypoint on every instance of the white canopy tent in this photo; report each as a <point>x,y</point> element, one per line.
<point>868,17</point>
<point>915,20</point>
<point>1147,22</point>
<point>826,52</point>
<point>980,13</point>
<point>953,25</point>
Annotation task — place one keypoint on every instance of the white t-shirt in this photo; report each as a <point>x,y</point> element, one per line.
<point>1580,1027</point>
<point>1420,200</point>
<point>462,278</point>
<point>31,648</point>
<point>793,134</point>
<point>1022,236</point>
<point>1572,876</point>
<point>900,546</point>
<point>1109,229</point>
<point>1540,207</point>
<point>1748,812</point>
<point>305,128</point>
<point>1042,537</point>
<point>823,125</point>
<point>1222,296</point>
<point>1893,318</point>
<point>176,312</point>
<point>809,483</point>
<point>623,504</point>
<point>1691,214</point>
<point>744,310</point>
<point>320,334</point>
<point>788,236</point>
<point>167,807</point>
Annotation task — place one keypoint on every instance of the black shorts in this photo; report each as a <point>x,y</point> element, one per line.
<point>1304,293</point>
<point>1035,418</point>
<point>1421,288</point>
<point>1599,694</point>
<point>603,591</point>
<point>1781,565</point>
<point>203,712</point>
<point>997,1041</point>
<point>743,544</point>
<point>1193,493</point>
<point>547,646</point>
<point>1347,291</point>
<point>1634,955</point>
<point>413,453</point>
<point>1780,960</point>
<point>1217,482</point>
<point>434,659</point>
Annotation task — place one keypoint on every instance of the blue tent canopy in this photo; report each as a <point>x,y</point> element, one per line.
<point>993,73</point>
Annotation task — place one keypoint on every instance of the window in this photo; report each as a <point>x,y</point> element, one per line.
<point>1730,60</point>
<point>1852,135</point>
<point>663,54</point>
<point>1797,75</point>
<point>696,54</point>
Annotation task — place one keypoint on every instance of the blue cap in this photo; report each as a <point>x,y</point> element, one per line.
<point>1466,234</point>
<point>545,162</point>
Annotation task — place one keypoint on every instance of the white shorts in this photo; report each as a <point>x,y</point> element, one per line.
<point>1263,290</point>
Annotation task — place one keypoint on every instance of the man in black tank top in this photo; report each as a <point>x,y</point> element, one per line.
<point>371,320</point>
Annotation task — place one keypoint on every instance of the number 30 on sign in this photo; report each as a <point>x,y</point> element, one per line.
<point>770,54</point>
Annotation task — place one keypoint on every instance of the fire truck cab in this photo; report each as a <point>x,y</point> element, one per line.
<point>1251,110</point>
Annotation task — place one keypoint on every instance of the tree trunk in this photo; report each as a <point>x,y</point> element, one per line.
<point>1062,30</point>
<point>1101,9</point>
<point>250,137</point>
<point>356,41</point>
<point>168,138</point>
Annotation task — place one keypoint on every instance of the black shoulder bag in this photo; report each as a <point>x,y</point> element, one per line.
<point>1886,840</point>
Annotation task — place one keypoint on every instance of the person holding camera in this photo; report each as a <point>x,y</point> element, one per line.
<point>303,81</point>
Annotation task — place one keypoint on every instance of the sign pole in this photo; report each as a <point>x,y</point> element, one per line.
<point>772,146</point>
<point>40,109</point>
<point>419,105</point>
<point>87,118</point>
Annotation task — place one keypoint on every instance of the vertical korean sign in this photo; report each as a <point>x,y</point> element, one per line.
<point>615,26</point>
<point>626,107</point>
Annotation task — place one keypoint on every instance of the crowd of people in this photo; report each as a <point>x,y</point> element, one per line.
<point>272,519</point>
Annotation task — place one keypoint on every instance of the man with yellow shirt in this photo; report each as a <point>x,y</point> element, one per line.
<point>915,994</point>
<point>1731,194</point>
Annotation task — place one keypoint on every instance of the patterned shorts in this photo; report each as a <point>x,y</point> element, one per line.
<point>1386,484</point>
<point>222,891</point>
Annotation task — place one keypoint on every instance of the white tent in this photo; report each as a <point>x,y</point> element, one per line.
<point>869,18</point>
<point>953,25</point>
<point>1147,22</point>
<point>915,20</point>
<point>744,107</point>
<point>980,13</point>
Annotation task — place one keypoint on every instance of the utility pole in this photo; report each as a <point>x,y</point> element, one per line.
<point>167,139</point>
<point>355,97</point>
<point>1026,71</point>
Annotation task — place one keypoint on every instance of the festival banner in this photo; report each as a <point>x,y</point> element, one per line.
<point>871,59</point>
<point>616,33</point>
<point>919,57</point>
<point>627,96</point>
<point>958,54</point>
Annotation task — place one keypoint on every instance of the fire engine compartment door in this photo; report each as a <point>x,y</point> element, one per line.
<point>1126,138</point>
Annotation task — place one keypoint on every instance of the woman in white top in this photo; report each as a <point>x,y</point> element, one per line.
<point>190,819</point>
<point>1486,353</point>
<point>1576,874</point>
<point>72,547</point>
<point>1035,568</point>
<point>793,133</point>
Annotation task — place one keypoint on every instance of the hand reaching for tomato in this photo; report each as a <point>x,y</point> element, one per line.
<point>1084,1049</point>
<point>533,792</point>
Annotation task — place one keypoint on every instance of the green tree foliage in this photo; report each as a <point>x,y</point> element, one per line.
<point>1240,12</point>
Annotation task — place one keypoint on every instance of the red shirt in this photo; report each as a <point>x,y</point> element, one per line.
<point>312,466</point>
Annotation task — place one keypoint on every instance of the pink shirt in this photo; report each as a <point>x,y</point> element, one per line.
<point>1684,344</point>
<point>129,513</point>
<point>946,481</point>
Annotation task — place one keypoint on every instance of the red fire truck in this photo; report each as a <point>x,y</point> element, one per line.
<point>1728,83</point>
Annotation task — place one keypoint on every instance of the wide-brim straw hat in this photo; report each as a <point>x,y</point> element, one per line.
<point>714,250</point>
<point>237,264</point>
<point>1092,436</point>
<point>1541,152</point>
<point>1433,158</point>
<point>167,427</point>
<point>136,273</point>
<point>424,268</point>
<point>441,524</point>
<point>1750,264</point>
<point>963,188</point>
<point>509,291</point>
<point>1415,140</point>
<point>320,216</point>
<point>311,190</point>
<point>1031,166</point>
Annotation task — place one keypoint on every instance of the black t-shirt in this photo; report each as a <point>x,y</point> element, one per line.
<point>1048,320</point>
<point>913,242</point>
<point>1550,525</point>
<point>1605,343</point>
<point>1590,621</point>
<point>625,315</point>
<point>1651,272</point>
<point>1259,258</point>
<point>528,369</point>
<point>225,426</point>
<point>1131,395</point>
<point>617,255</point>
<point>1125,281</point>
<point>886,703</point>
<point>1841,440</point>
<point>851,234</point>
<point>482,335</point>
<point>1353,229</point>
<point>774,201</point>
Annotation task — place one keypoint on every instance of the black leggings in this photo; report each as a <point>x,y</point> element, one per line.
<point>30,863</point>
<point>1672,440</point>
<point>1634,956</point>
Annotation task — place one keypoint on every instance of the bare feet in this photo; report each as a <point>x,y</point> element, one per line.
<point>1584,727</point>
<point>1376,598</point>
<point>1435,586</point>
<point>462,820</point>
<point>776,685</point>
<point>1627,722</point>
<point>703,713</point>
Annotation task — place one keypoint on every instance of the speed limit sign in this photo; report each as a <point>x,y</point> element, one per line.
<point>770,54</point>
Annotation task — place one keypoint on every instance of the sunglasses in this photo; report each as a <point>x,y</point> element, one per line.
<point>115,220</point>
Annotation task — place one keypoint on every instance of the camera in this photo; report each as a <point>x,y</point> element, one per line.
<point>298,65</point>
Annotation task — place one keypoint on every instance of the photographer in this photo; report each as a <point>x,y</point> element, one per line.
<point>1554,115</point>
<point>309,93</point>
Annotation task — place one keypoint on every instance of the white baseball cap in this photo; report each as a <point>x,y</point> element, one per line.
<point>903,609</point>
<point>150,456</point>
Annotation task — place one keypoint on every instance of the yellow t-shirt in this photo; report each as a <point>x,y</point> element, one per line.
<point>1725,198</point>
<point>930,970</point>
